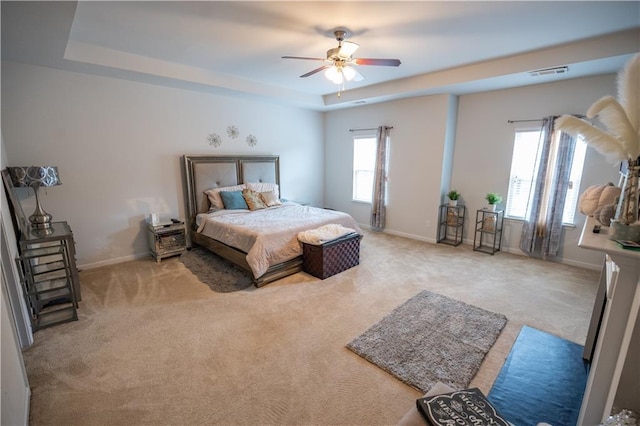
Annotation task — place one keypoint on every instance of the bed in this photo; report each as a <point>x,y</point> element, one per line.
<point>261,241</point>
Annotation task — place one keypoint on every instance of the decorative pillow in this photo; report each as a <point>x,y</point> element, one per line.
<point>213,195</point>
<point>233,200</point>
<point>264,187</point>
<point>597,196</point>
<point>270,199</point>
<point>253,199</point>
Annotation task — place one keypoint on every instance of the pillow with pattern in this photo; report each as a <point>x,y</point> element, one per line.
<point>264,187</point>
<point>253,199</point>
<point>270,199</point>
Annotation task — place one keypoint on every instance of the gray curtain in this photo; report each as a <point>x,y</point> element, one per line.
<point>542,227</point>
<point>379,203</point>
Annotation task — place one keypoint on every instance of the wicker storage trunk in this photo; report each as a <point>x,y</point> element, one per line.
<point>333,257</point>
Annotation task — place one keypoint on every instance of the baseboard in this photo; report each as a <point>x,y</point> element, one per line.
<point>400,234</point>
<point>113,261</point>
<point>27,406</point>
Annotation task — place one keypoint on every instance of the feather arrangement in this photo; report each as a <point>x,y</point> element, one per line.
<point>620,141</point>
<point>621,117</point>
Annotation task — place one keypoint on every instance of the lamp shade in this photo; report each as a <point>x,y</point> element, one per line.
<point>34,176</point>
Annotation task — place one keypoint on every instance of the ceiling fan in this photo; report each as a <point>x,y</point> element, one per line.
<point>339,61</point>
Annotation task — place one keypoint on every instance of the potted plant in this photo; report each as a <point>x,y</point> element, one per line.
<point>453,197</point>
<point>493,198</point>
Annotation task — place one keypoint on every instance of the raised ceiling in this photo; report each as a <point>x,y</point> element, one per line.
<point>236,46</point>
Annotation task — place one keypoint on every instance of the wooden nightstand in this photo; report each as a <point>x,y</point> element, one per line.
<point>166,239</point>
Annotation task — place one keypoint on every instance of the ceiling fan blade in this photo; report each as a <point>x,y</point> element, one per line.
<point>347,49</point>
<point>371,61</point>
<point>317,70</point>
<point>302,57</point>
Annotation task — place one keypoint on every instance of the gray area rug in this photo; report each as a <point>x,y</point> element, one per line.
<point>431,338</point>
<point>219,274</point>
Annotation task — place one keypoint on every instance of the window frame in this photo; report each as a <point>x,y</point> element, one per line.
<point>354,180</point>
<point>573,196</point>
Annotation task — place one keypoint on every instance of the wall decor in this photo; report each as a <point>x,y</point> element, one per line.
<point>233,132</point>
<point>251,140</point>
<point>214,140</point>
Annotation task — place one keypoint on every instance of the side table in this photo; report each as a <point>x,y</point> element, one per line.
<point>488,231</point>
<point>50,279</point>
<point>166,238</point>
<point>450,224</point>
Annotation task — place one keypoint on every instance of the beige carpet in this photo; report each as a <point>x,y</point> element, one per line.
<point>154,346</point>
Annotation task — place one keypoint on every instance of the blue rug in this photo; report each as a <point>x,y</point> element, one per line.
<point>542,380</point>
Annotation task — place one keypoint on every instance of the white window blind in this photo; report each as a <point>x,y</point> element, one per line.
<point>364,161</point>
<point>523,169</point>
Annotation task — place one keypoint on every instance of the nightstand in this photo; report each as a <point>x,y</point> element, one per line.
<point>166,239</point>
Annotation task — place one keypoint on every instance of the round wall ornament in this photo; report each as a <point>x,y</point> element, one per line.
<point>214,140</point>
<point>251,140</point>
<point>233,132</point>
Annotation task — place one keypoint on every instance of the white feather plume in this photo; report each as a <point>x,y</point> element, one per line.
<point>629,90</point>
<point>613,116</point>
<point>621,118</point>
<point>604,143</point>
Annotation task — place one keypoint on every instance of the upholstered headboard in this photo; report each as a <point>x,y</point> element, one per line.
<point>202,172</point>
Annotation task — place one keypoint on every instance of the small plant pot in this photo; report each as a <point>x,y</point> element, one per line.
<point>453,203</point>
<point>492,207</point>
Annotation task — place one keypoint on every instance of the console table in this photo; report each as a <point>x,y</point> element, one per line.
<point>613,377</point>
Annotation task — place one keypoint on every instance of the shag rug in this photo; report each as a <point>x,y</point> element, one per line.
<point>431,338</point>
<point>219,274</point>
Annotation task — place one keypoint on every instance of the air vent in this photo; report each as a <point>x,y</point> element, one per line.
<point>549,71</point>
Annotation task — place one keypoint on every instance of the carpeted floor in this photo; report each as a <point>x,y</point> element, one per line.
<point>155,346</point>
<point>431,338</point>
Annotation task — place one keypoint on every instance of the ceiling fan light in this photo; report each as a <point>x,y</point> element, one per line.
<point>349,73</point>
<point>334,74</point>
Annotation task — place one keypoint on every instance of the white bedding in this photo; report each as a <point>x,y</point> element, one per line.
<point>268,236</point>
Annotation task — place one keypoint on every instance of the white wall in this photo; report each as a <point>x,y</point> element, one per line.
<point>481,161</point>
<point>484,146</point>
<point>418,145</point>
<point>118,145</point>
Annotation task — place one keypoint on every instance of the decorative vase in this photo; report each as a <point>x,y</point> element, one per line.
<point>625,225</point>
<point>627,211</point>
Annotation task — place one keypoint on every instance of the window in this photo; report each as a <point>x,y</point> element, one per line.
<point>364,162</point>
<point>523,162</point>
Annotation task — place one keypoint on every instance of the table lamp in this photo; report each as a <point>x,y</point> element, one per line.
<point>35,177</point>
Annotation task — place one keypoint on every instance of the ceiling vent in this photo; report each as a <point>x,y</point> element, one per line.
<point>549,71</point>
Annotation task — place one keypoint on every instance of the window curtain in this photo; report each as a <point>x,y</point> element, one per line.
<point>379,202</point>
<point>542,228</point>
